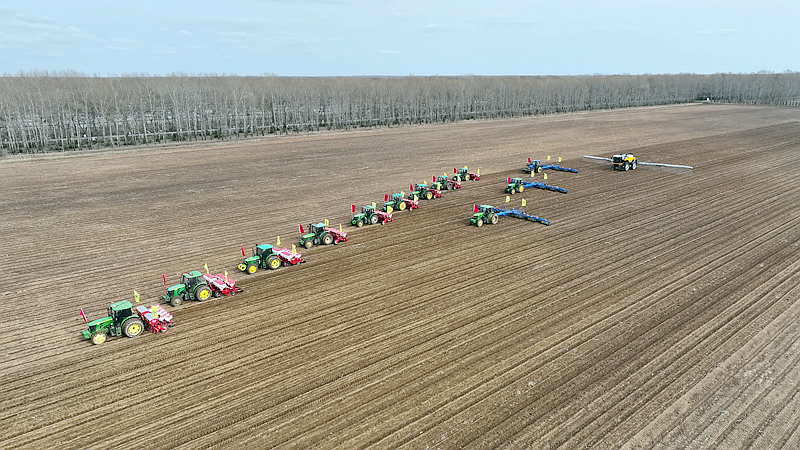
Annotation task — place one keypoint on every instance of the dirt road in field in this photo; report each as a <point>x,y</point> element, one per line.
<point>659,310</point>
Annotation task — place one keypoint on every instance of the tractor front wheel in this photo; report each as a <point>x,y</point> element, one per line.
<point>327,239</point>
<point>98,337</point>
<point>513,191</point>
<point>252,268</point>
<point>132,327</point>
<point>479,223</point>
<point>493,219</point>
<point>626,166</point>
<point>308,244</point>
<point>359,223</point>
<point>176,301</point>
<point>202,292</point>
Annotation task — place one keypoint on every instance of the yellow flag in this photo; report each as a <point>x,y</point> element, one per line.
<point>508,199</point>
<point>523,202</point>
<point>402,193</point>
<point>545,176</point>
<point>294,249</point>
<point>479,171</point>
<point>136,295</point>
<point>226,277</point>
<point>154,310</point>
<point>340,228</point>
<point>278,242</point>
<point>548,158</point>
<point>206,267</point>
<point>326,222</point>
<point>559,159</point>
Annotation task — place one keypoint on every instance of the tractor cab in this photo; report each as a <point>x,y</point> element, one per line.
<point>420,186</point>
<point>317,228</point>
<point>192,279</point>
<point>120,311</point>
<point>443,179</point>
<point>535,166</point>
<point>624,161</point>
<point>367,209</point>
<point>485,209</point>
<point>263,250</point>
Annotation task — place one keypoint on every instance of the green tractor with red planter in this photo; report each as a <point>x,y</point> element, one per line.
<point>193,286</point>
<point>266,256</point>
<point>122,320</point>
<point>320,233</point>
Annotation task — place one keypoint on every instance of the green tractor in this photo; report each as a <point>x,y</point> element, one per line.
<point>193,287</point>
<point>264,257</point>
<point>395,202</point>
<point>421,190</point>
<point>319,233</point>
<point>515,185</point>
<point>484,214</point>
<point>122,320</point>
<point>369,215</point>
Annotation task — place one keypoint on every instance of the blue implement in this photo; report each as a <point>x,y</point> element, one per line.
<point>539,185</point>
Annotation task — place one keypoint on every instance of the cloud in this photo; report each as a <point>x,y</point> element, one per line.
<point>185,33</point>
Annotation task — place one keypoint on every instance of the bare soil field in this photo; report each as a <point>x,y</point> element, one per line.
<point>659,310</point>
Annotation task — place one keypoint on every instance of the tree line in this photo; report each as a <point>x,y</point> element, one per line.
<point>67,111</point>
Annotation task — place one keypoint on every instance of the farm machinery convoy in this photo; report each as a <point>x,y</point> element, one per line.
<point>126,320</point>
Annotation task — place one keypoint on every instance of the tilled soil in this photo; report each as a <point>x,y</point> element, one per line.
<point>659,310</point>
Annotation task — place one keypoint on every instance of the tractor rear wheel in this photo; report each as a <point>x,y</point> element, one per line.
<point>132,327</point>
<point>479,223</point>
<point>308,244</point>
<point>493,219</point>
<point>176,301</point>
<point>521,188</point>
<point>98,337</point>
<point>428,195</point>
<point>327,239</point>
<point>360,223</point>
<point>273,262</point>
<point>401,206</point>
<point>626,166</point>
<point>373,219</point>
<point>202,292</point>
<point>252,268</point>
<point>633,165</point>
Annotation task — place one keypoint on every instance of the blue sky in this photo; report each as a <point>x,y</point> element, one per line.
<point>409,37</point>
